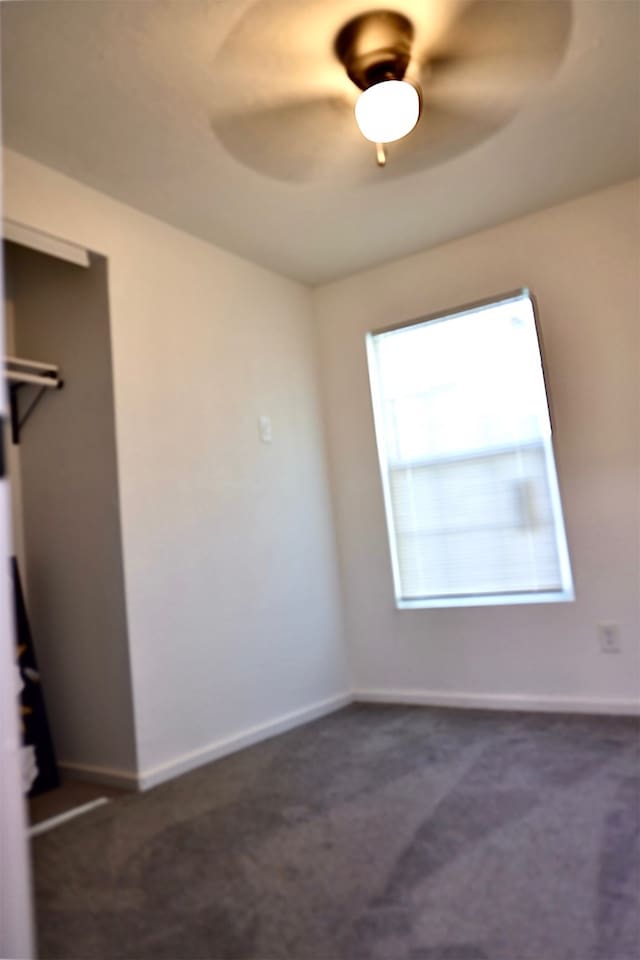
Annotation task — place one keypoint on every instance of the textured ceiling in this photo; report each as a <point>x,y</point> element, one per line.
<point>127,97</point>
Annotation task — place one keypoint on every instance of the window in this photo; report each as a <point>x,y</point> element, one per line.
<point>464,440</point>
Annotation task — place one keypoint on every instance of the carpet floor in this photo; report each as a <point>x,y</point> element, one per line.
<point>378,833</point>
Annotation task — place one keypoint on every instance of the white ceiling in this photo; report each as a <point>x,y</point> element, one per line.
<point>120,95</point>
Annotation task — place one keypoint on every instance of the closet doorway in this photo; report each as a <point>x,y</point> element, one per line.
<point>65,520</point>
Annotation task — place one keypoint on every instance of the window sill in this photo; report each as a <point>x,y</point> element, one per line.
<point>498,600</point>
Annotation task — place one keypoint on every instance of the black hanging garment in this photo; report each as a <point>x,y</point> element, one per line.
<point>39,762</point>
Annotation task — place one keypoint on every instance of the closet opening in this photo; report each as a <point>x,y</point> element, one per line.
<point>71,629</point>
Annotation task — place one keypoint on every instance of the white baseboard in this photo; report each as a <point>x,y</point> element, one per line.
<point>126,780</point>
<point>500,701</point>
<point>108,777</point>
<point>220,748</point>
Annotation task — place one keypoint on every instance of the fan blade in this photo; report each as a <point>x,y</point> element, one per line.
<point>488,61</point>
<point>499,49</point>
<point>294,142</point>
<point>282,48</point>
<point>444,131</point>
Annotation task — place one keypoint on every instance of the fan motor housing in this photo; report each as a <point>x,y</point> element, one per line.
<point>375,46</point>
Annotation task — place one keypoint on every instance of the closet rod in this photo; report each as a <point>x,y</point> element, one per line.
<point>34,364</point>
<point>15,376</point>
<point>21,374</point>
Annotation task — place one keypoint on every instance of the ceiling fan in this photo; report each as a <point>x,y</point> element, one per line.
<point>375,49</point>
<point>306,83</point>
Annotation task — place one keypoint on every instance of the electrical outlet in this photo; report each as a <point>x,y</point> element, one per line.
<point>609,637</point>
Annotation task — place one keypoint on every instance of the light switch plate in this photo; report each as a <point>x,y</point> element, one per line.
<point>609,637</point>
<point>266,433</point>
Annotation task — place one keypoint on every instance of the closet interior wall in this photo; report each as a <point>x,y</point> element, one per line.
<point>66,510</point>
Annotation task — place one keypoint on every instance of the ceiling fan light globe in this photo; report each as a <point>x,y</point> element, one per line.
<point>388,110</point>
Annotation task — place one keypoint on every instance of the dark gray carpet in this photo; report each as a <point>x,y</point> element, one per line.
<point>387,833</point>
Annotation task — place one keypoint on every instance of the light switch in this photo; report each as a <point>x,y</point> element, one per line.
<point>266,434</point>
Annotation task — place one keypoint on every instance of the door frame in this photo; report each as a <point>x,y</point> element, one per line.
<point>16,907</point>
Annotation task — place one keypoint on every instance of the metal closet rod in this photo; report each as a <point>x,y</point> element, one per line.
<point>48,378</point>
<point>16,376</point>
<point>35,364</point>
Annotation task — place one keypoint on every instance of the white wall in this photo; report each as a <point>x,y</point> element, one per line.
<point>230,572</point>
<point>581,261</point>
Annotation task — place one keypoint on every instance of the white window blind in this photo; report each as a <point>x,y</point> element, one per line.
<point>464,439</point>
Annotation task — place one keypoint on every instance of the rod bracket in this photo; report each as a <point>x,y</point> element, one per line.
<point>18,418</point>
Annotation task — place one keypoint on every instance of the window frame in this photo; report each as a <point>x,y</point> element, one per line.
<point>566,594</point>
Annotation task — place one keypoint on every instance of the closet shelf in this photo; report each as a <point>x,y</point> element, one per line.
<point>21,374</point>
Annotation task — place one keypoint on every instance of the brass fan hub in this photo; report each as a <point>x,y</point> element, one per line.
<point>375,46</point>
